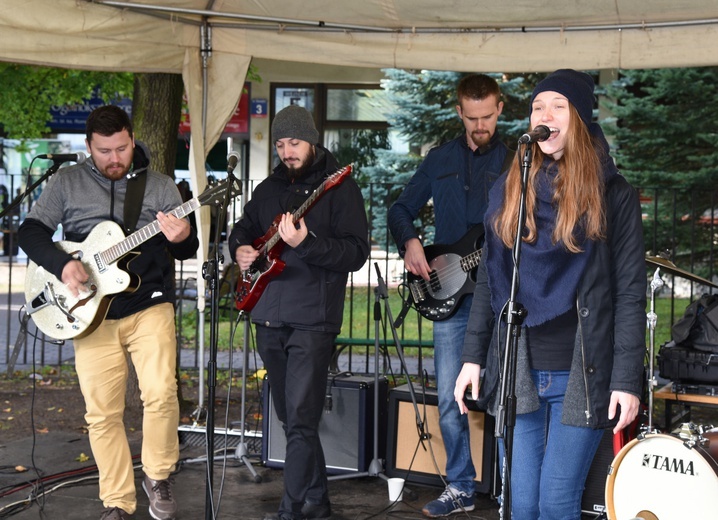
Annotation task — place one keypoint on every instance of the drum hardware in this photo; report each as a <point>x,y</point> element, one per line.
<point>669,266</point>
<point>651,320</point>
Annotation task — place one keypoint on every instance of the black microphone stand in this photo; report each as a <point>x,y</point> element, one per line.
<point>376,466</point>
<point>210,272</point>
<point>22,333</point>
<point>18,200</point>
<point>514,315</point>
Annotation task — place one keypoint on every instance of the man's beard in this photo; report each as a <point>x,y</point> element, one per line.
<point>480,139</point>
<point>297,173</point>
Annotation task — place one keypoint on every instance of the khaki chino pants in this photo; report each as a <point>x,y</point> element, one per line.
<point>101,362</point>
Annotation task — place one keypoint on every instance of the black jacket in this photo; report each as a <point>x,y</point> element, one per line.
<point>610,340</point>
<point>309,293</point>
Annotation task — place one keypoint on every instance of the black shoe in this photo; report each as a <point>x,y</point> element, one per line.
<point>316,511</point>
<point>115,513</point>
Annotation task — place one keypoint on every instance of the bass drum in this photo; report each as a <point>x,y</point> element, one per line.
<point>659,478</point>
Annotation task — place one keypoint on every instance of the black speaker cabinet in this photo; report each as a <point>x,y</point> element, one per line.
<point>593,500</point>
<point>346,429</point>
<point>403,439</point>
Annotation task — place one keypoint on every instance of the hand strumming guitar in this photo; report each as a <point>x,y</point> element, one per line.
<point>415,259</point>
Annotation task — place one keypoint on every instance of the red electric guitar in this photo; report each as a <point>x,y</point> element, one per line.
<point>268,265</point>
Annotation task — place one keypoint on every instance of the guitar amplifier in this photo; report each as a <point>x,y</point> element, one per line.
<point>408,458</point>
<point>346,431</point>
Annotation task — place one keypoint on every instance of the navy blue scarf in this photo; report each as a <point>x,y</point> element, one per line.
<point>548,274</point>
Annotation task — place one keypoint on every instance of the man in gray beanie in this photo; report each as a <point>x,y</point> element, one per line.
<point>294,121</point>
<point>299,313</point>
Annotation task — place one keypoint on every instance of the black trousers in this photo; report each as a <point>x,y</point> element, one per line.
<point>297,363</point>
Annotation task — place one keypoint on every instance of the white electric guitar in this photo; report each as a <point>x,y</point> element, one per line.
<point>104,254</point>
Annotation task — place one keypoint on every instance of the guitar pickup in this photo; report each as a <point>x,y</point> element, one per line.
<point>434,281</point>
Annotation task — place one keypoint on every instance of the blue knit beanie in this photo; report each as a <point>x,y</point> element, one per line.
<point>576,86</point>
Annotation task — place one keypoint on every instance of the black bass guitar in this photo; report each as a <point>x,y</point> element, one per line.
<point>452,276</point>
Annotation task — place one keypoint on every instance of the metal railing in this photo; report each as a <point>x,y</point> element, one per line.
<point>684,223</point>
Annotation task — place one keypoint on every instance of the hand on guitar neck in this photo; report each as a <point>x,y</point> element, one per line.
<point>292,234</point>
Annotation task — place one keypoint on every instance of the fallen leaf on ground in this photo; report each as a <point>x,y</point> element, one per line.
<point>82,458</point>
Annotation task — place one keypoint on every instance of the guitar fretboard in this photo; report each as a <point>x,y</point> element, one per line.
<point>470,261</point>
<point>298,214</point>
<point>114,253</point>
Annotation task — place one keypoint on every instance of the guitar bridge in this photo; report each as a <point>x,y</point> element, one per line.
<point>46,298</point>
<point>416,292</point>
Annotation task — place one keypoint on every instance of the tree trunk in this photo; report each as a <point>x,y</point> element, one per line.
<point>156,112</point>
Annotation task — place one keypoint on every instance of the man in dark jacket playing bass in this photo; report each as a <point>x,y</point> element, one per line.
<point>299,312</point>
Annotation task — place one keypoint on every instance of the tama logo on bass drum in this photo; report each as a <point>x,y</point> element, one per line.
<point>670,464</point>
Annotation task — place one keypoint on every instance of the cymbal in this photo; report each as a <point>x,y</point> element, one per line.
<point>669,266</point>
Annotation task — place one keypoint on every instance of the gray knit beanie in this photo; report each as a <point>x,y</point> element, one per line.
<point>294,122</point>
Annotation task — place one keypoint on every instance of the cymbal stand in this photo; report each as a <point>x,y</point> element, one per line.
<point>652,319</point>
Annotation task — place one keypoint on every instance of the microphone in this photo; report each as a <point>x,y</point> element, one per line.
<point>232,160</point>
<point>63,157</point>
<point>538,134</point>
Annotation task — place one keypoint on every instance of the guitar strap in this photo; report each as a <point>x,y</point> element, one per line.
<point>133,201</point>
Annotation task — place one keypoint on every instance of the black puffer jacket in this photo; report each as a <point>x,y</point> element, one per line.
<point>309,293</point>
<point>610,340</point>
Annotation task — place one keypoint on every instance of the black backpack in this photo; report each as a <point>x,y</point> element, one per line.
<point>698,328</point>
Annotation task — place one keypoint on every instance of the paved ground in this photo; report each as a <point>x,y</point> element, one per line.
<point>236,495</point>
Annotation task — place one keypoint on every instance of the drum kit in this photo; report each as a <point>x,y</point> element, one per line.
<point>664,476</point>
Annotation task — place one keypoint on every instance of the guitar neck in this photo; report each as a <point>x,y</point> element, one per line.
<point>142,235</point>
<point>297,215</point>
<point>470,261</point>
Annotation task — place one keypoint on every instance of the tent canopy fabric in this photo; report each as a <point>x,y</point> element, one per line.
<point>211,42</point>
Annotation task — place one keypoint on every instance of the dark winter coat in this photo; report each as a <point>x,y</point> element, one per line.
<point>458,180</point>
<point>610,338</point>
<point>309,293</point>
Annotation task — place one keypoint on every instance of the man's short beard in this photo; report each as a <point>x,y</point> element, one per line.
<point>298,173</point>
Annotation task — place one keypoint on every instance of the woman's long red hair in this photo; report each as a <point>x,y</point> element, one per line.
<point>578,193</point>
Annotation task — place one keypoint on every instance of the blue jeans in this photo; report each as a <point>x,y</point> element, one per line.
<point>448,344</point>
<point>550,460</point>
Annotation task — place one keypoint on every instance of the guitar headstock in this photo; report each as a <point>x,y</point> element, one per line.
<point>337,177</point>
<point>215,192</point>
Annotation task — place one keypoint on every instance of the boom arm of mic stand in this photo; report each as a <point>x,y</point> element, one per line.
<point>17,200</point>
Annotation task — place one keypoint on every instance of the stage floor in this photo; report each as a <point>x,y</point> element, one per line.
<point>235,496</point>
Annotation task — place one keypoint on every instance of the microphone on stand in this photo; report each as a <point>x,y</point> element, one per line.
<point>538,134</point>
<point>63,157</point>
<point>232,161</point>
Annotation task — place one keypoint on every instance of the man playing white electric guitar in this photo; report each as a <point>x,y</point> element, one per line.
<point>111,192</point>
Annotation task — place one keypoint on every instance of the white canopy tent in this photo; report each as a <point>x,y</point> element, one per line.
<point>211,42</point>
